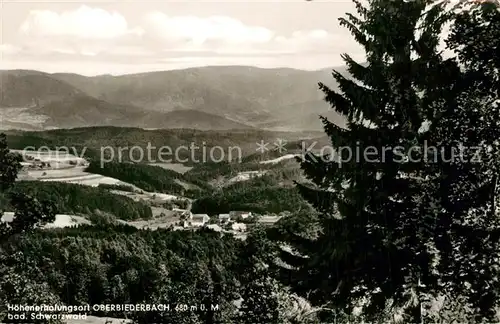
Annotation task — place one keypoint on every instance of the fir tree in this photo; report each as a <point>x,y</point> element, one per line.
<point>406,215</point>
<point>259,290</point>
<point>475,39</point>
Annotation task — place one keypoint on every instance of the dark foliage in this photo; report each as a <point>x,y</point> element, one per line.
<point>399,230</point>
<point>71,198</point>
<point>123,265</point>
<point>117,187</point>
<point>261,195</point>
<point>146,177</point>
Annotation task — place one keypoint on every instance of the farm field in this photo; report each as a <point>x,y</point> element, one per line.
<point>61,167</point>
<point>49,155</point>
<point>87,179</point>
<point>245,176</point>
<point>57,173</point>
<point>155,223</point>
<point>145,195</point>
<point>279,159</point>
<point>75,175</point>
<point>60,222</point>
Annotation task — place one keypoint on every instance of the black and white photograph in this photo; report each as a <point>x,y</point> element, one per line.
<point>249,161</point>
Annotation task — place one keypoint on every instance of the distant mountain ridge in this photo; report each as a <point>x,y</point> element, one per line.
<point>26,88</point>
<point>206,98</point>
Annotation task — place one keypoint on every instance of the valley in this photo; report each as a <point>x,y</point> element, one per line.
<point>62,167</point>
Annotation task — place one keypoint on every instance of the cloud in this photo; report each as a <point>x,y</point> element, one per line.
<point>198,31</point>
<point>228,35</point>
<point>97,36</point>
<point>84,22</point>
<point>93,31</point>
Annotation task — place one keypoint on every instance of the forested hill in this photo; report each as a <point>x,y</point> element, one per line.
<point>204,98</point>
<point>89,140</point>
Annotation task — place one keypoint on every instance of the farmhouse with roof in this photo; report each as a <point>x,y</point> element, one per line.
<point>199,220</point>
<point>241,214</point>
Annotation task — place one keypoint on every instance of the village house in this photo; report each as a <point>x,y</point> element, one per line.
<point>199,220</point>
<point>224,218</point>
<point>240,214</point>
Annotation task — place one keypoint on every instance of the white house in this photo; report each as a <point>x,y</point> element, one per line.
<point>224,218</point>
<point>199,220</point>
<point>242,214</point>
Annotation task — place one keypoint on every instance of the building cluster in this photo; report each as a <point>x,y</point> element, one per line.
<point>199,220</point>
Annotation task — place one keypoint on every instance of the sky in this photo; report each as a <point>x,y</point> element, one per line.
<point>121,37</point>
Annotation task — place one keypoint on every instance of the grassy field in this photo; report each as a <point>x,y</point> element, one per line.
<point>60,166</point>
<point>60,221</point>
